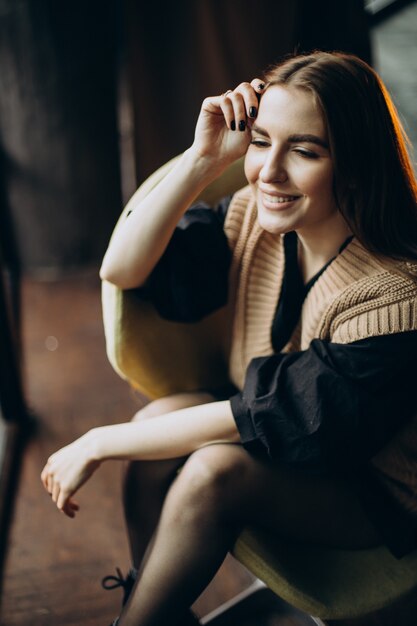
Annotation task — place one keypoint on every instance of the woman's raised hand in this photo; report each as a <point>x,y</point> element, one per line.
<point>223,127</point>
<point>141,240</point>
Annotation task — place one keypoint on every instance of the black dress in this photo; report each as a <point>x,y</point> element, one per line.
<point>333,419</point>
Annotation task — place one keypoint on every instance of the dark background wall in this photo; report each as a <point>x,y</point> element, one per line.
<point>182,52</point>
<point>59,67</point>
<point>59,175</point>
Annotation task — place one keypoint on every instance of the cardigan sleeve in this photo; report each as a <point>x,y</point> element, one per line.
<point>333,405</point>
<point>191,278</point>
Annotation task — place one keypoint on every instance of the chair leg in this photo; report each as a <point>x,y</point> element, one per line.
<point>256,586</point>
<point>255,604</point>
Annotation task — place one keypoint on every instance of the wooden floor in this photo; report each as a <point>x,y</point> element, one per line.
<point>54,565</point>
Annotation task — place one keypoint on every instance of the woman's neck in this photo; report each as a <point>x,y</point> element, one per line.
<point>317,247</point>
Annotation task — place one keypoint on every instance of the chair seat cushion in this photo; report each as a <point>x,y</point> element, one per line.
<point>325,582</point>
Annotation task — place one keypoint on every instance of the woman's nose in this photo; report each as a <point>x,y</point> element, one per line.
<point>273,170</point>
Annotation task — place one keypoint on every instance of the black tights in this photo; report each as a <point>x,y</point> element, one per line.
<point>182,524</point>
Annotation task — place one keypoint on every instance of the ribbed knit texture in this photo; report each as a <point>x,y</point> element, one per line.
<point>356,297</point>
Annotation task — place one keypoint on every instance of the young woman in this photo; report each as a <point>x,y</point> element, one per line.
<point>318,258</point>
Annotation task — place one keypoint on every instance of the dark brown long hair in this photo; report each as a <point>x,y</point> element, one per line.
<point>374,183</point>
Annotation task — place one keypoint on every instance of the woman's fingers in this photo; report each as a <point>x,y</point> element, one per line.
<point>71,507</point>
<point>241,105</point>
<point>250,98</point>
<point>52,483</point>
<point>234,110</point>
<point>239,110</point>
<point>44,478</point>
<point>49,483</point>
<point>73,504</point>
<point>66,471</point>
<point>63,502</point>
<point>56,490</point>
<point>227,110</point>
<point>258,85</point>
<point>47,478</point>
<point>68,506</point>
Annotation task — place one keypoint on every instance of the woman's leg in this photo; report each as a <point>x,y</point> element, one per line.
<point>220,489</point>
<point>146,482</point>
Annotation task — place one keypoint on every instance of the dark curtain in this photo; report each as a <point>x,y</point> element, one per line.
<point>181,52</point>
<point>59,157</point>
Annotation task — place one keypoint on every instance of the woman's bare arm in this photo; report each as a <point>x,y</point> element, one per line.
<point>141,240</point>
<point>171,435</point>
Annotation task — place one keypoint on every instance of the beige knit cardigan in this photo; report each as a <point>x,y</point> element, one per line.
<point>357,296</point>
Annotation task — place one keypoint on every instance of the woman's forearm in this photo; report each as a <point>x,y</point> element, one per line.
<point>169,436</point>
<point>140,241</point>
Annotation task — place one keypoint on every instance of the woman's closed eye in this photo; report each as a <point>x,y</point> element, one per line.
<point>307,154</point>
<point>259,143</point>
<point>303,152</point>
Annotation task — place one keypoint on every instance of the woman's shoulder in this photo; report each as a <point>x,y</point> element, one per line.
<point>407,270</point>
<point>365,269</point>
<point>370,296</point>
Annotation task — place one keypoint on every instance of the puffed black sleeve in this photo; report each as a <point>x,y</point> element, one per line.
<point>191,278</point>
<point>333,405</point>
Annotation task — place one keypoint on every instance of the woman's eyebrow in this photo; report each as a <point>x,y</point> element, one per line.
<point>259,130</point>
<point>308,139</point>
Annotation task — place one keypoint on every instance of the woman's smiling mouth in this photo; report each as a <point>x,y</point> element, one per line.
<point>277,201</point>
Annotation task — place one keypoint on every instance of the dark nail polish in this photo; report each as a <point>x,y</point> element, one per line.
<point>261,86</point>
<point>253,111</point>
<point>242,125</point>
<point>233,125</point>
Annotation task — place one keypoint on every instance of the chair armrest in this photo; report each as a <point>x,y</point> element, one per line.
<point>156,356</point>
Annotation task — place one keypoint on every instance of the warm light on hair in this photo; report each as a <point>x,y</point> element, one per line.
<point>374,182</point>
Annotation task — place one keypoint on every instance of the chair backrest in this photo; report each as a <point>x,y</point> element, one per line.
<point>156,356</point>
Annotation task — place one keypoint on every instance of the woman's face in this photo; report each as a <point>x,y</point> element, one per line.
<point>288,163</point>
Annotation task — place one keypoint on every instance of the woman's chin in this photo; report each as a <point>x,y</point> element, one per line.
<point>273,224</point>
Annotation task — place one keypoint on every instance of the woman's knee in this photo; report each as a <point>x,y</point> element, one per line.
<point>213,476</point>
